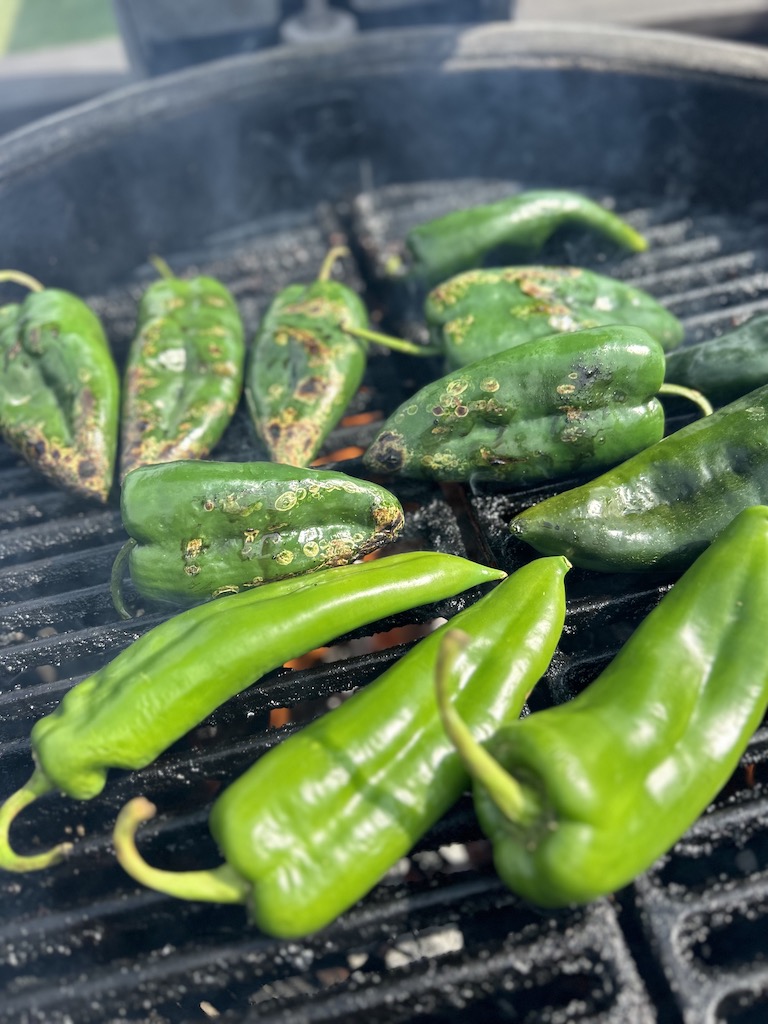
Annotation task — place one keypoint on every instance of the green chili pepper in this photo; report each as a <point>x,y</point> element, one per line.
<point>316,822</point>
<point>663,506</point>
<point>184,372</point>
<point>460,240</point>
<point>581,798</point>
<point>59,388</point>
<point>306,363</point>
<point>482,312</point>
<point>727,367</point>
<point>201,529</point>
<point>172,677</point>
<point>572,403</point>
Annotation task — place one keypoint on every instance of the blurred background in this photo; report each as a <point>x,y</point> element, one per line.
<point>56,53</point>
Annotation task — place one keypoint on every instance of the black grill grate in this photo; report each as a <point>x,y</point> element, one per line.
<point>439,939</point>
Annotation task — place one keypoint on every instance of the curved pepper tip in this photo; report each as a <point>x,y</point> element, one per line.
<point>37,785</point>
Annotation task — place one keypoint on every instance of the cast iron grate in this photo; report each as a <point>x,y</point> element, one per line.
<point>439,938</point>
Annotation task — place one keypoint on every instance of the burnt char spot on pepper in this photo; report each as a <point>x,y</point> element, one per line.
<point>86,469</point>
<point>387,452</point>
<point>310,387</point>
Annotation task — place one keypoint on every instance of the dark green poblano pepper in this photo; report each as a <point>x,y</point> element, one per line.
<point>460,240</point>
<point>202,529</point>
<point>727,367</point>
<point>59,388</point>
<point>184,372</point>
<point>660,509</point>
<point>481,312</point>
<point>581,798</point>
<point>306,363</point>
<point>572,403</point>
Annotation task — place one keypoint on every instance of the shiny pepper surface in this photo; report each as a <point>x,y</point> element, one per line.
<point>59,389</point>
<point>482,312</point>
<point>581,798</point>
<point>318,820</point>
<point>184,372</point>
<point>727,367</point>
<point>554,406</point>
<point>173,677</point>
<point>662,507</point>
<point>202,529</point>
<point>460,240</point>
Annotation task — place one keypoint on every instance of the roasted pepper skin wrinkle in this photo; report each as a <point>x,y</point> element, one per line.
<point>727,367</point>
<point>184,372</point>
<point>555,406</point>
<point>172,677</point>
<point>482,312</point>
<point>661,508</point>
<point>203,529</point>
<point>59,389</point>
<point>460,240</point>
<point>317,821</point>
<point>598,788</point>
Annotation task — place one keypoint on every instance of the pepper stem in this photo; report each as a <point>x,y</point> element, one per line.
<point>690,393</point>
<point>216,885</point>
<point>25,280</point>
<point>398,344</point>
<point>116,580</point>
<point>162,267</point>
<point>336,253</point>
<point>37,785</point>
<point>514,802</point>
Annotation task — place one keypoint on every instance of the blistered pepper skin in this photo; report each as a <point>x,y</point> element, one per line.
<point>304,367</point>
<point>482,312</point>
<point>203,529</point>
<point>184,372</point>
<point>727,367</point>
<point>661,508</point>
<point>460,240</point>
<point>60,391</point>
<point>568,404</point>
<point>616,775</point>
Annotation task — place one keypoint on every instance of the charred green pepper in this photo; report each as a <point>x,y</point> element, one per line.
<point>581,798</point>
<point>201,529</point>
<point>572,403</point>
<point>460,240</point>
<point>727,367</point>
<point>184,372</point>
<point>482,312</point>
<point>306,363</point>
<point>662,507</point>
<point>172,677</point>
<point>59,388</point>
<point>316,822</point>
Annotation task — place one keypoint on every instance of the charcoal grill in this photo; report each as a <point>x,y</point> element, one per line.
<point>247,169</point>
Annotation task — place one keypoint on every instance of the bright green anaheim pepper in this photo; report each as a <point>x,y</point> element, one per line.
<point>184,373</point>
<point>461,239</point>
<point>481,312</point>
<point>201,529</point>
<point>581,798</point>
<point>313,825</point>
<point>59,388</point>
<point>572,403</point>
